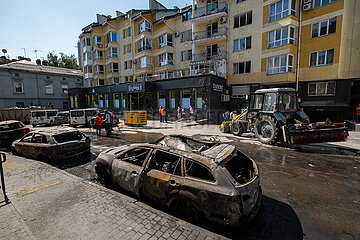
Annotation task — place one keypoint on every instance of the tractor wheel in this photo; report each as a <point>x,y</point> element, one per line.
<point>266,130</point>
<point>237,128</point>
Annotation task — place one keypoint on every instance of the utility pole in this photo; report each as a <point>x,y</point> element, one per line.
<point>24,52</point>
<point>36,51</point>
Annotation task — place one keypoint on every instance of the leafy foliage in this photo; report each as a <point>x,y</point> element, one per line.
<point>63,60</point>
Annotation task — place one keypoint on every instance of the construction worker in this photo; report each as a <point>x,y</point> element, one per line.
<point>98,122</point>
<point>163,115</point>
<point>107,120</point>
<point>160,113</point>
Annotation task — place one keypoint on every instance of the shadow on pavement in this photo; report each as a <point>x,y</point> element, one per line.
<point>70,163</point>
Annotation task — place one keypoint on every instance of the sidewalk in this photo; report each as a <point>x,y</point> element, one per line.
<point>48,203</point>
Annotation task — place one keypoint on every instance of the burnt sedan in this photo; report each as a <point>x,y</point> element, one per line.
<point>193,178</point>
<point>52,145</point>
<point>10,131</point>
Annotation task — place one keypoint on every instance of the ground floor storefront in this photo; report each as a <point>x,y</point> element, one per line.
<point>202,93</point>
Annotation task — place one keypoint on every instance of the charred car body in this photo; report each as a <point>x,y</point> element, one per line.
<point>10,131</point>
<point>52,145</point>
<point>193,178</point>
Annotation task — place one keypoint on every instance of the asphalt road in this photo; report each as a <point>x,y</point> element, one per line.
<point>307,195</point>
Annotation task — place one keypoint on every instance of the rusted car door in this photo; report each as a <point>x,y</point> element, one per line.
<point>162,175</point>
<point>23,146</point>
<point>128,166</point>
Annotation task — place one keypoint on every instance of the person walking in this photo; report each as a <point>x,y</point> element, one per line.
<point>107,120</point>
<point>226,116</point>
<point>160,113</point>
<point>191,113</point>
<point>179,113</point>
<point>163,114</point>
<point>98,122</point>
<point>183,113</point>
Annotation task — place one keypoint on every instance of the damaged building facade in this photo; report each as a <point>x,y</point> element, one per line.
<point>312,47</point>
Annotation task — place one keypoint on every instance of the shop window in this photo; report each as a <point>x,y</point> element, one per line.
<point>186,99</point>
<point>123,101</point>
<point>116,100</point>
<point>101,101</point>
<point>161,99</point>
<point>106,100</point>
<point>322,89</point>
<point>199,98</point>
<point>172,99</point>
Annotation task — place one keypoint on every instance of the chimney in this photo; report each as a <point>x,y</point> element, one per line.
<point>38,62</point>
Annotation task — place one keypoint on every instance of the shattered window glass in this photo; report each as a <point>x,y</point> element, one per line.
<point>27,138</point>
<point>39,138</point>
<point>166,162</point>
<point>197,170</point>
<point>136,156</point>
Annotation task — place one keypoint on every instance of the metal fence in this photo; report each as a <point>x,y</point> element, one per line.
<point>210,9</point>
<point>222,31</point>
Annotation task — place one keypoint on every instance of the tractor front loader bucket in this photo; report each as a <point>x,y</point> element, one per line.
<point>321,135</point>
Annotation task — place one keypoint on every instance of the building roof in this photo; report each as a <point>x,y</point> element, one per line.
<point>28,66</point>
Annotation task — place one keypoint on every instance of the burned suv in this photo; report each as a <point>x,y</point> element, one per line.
<point>193,178</point>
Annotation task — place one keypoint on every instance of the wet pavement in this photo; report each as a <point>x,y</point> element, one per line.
<point>306,195</point>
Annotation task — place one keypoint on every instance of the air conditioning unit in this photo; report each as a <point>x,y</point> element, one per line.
<point>177,34</point>
<point>307,1</point>
<point>306,7</point>
<point>225,98</point>
<point>223,20</point>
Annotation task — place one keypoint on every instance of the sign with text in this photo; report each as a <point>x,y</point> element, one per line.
<point>218,87</point>
<point>135,87</point>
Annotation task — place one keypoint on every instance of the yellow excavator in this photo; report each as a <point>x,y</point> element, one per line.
<point>274,116</point>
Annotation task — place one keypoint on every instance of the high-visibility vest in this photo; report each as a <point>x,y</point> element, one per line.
<point>163,112</point>
<point>98,121</point>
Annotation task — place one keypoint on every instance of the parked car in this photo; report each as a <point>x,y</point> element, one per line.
<point>42,117</point>
<point>82,116</point>
<point>193,178</point>
<point>10,131</point>
<point>62,118</point>
<point>52,145</point>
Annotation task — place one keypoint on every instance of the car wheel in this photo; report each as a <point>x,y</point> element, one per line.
<point>266,130</point>
<point>237,128</point>
<point>186,210</point>
<point>102,176</point>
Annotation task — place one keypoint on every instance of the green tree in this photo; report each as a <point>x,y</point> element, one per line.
<point>63,60</point>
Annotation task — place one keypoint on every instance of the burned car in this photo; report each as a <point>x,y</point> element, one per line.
<point>52,145</point>
<point>10,131</point>
<point>193,178</point>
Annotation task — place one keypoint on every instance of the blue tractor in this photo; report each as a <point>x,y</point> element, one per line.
<point>274,116</point>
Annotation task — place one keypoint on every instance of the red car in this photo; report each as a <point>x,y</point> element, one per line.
<point>10,131</point>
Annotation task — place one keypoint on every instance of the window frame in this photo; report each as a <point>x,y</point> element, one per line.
<point>319,28</point>
<point>239,44</point>
<point>22,87</point>
<point>326,89</point>
<point>325,58</point>
<point>291,10</point>
<point>238,19</point>
<point>289,39</point>
<point>238,64</point>
<point>321,4</point>
<point>288,65</point>
<point>196,178</point>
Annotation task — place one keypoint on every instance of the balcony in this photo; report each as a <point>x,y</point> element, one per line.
<point>86,49</point>
<point>87,62</point>
<point>140,49</point>
<point>204,56</point>
<point>208,36</point>
<point>88,75</point>
<point>210,11</point>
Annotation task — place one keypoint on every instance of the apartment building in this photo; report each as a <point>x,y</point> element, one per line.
<point>311,45</point>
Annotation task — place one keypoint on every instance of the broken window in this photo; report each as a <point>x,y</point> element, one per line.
<point>39,138</point>
<point>67,137</point>
<point>136,156</point>
<point>240,167</point>
<point>197,170</point>
<point>166,162</point>
<point>27,138</point>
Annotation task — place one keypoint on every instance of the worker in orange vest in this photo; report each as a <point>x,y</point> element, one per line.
<point>98,122</point>
<point>163,113</point>
<point>160,113</point>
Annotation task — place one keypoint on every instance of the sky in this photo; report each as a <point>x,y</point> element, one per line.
<point>48,26</point>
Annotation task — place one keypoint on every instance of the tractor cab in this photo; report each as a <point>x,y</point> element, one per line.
<point>274,100</point>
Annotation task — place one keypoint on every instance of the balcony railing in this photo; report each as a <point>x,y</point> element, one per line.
<point>210,9</point>
<point>222,31</point>
<point>204,56</point>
